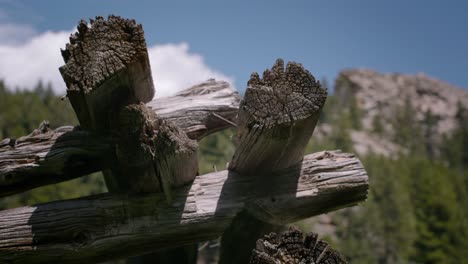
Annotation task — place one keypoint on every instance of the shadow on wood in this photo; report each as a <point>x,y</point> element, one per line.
<point>277,117</point>
<point>51,156</point>
<point>107,226</point>
<point>156,201</point>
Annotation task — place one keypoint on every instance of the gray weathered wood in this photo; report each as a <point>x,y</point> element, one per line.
<point>25,163</point>
<point>106,64</point>
<point>152,154</point>
<point>104,227</point>
<point>277,117</point>
<point>201,109</point>
<point>50,156</point>
<point>111,80</point>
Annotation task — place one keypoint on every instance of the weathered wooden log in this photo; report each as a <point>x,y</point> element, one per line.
<point>111,80</point>
<point>106,64</point>
<point>276,120</point>
<point>202,109</point>
<point>277,117</point>
<point>292,247</point>
<point>50,156</point>
<point>25,163</point>
<point>152,154</point>
<point>103,227</point>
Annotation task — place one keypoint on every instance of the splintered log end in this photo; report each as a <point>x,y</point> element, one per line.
<point>282,96</point>
<point>98,51</point>
<point>292,247</point>
<point>277,118</point>
<point>106,62</point>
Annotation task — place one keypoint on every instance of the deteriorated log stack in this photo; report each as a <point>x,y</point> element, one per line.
<point>142,153</point>
<point>292,247</point>
<point>108,77</point>
<point>52,156</point>
<point>276,120</point>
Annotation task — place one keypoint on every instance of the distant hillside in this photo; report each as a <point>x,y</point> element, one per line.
<point>411,133</point>
<point>381,100</point>
<point>382,94</point>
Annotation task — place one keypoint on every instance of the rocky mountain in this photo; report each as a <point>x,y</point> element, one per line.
<point>379,98</point>
<point>418,127</point>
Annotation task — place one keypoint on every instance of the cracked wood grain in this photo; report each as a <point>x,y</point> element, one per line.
<point>110,226</point>
<point>277,117</point>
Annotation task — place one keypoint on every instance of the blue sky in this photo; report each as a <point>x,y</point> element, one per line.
<point>234,38</point>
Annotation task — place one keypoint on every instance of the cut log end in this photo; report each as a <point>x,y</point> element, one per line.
<point>282,96</point>
<point>106,64</point>
<point>277,118</point>
<point>99,50</point>
<point>292,247</point>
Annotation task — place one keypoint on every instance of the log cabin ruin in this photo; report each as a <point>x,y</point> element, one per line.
<point>157,203</point>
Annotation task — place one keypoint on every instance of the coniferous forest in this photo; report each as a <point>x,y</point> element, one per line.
<point>417,208</point>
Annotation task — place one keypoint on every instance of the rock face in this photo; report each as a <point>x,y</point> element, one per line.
<point>380,96</point>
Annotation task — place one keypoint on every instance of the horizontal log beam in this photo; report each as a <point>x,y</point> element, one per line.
<point>50,156</point>
<point>105,227</point>
<point>46,157</point>
<point>202,109</point>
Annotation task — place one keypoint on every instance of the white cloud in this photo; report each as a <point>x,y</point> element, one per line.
<point>174,67</point>
<point>38,58</point>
